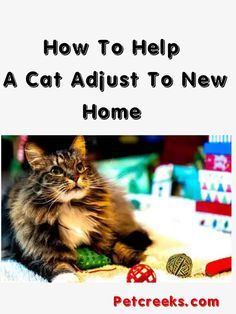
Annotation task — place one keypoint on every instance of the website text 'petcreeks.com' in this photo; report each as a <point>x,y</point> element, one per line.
<point>168,302</point>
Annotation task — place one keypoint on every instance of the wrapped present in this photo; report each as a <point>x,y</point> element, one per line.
<point>218,162</point>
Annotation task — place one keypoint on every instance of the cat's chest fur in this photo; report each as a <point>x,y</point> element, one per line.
<point>75,225</point>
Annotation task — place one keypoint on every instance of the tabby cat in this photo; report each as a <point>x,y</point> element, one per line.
<point>64,203</point>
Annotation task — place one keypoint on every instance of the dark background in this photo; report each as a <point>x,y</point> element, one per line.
<point>175,149</point>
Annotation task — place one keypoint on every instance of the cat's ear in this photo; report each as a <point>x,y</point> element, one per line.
<point>79,145</point>
<point>34,154</point>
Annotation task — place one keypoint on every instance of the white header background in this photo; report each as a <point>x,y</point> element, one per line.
<point>205,32</point>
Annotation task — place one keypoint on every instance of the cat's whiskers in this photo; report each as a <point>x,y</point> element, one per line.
<point>51,195</point>
<point>57,197</point>
<point>99,182</point>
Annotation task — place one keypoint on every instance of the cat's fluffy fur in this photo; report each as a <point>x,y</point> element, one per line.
<point>65,203</point>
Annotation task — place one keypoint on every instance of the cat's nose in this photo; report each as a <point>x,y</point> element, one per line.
<point>74,177</point>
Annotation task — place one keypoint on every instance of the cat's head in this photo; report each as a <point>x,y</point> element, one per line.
<point>60,176</point>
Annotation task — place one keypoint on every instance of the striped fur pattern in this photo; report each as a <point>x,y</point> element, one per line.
<point>64,203</point>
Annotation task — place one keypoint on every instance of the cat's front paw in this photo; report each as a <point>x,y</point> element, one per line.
<point>65,278</point>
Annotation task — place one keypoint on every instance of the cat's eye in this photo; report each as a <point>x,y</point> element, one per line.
<point>80,167</point>
<point>57,171</point>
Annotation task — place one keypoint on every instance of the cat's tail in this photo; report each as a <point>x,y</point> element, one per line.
<point>130,250</point>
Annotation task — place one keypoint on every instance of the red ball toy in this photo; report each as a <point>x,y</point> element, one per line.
<point>141,273</point>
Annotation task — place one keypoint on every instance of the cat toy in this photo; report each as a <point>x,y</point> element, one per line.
<point>180,265</point>
<point>218,266</point>
<point>88,259</point>
<point>141,273</point>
